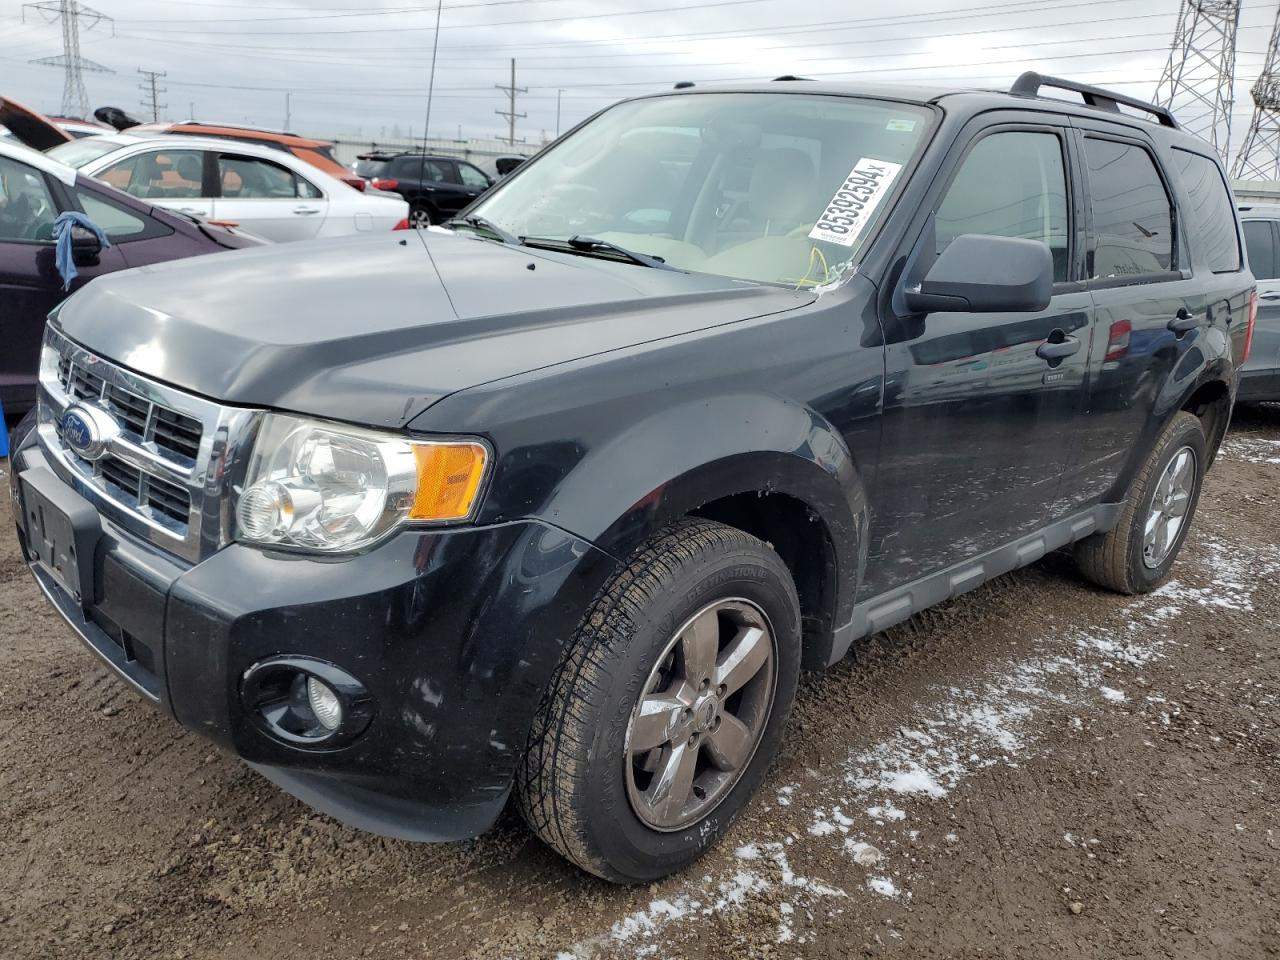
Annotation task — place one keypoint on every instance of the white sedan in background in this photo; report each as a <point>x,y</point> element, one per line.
<point>268,192</point>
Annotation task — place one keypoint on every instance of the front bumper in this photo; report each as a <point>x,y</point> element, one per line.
<point>453,633</point>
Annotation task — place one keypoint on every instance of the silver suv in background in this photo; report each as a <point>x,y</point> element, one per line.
<point>1260,376</point>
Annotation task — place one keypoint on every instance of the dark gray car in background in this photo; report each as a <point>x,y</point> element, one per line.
<point>1260,376</point>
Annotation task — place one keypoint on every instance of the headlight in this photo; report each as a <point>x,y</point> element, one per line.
<point>333,488</point>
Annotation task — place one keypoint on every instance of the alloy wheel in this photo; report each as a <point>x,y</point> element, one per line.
<point>701,715</point>
<point>1169,508</point>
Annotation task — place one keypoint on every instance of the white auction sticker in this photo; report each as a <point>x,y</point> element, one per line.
<point>851,208</point>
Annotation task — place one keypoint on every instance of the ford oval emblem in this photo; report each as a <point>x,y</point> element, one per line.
<point>86,431</point>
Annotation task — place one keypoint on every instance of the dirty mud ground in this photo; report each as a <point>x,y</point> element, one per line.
<point>1037,769</point>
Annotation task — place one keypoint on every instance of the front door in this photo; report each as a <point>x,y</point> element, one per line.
<point>173,179</point>
<point>979,417</point>
<point>30,285</point>
<point>1260,377</point>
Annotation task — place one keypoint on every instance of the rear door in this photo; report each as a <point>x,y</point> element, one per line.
<point>1139,275</point>
<point>979,428</point>
<point>1260,376</point>
<point>267,198</point>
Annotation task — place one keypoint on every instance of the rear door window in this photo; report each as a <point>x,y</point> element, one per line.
<point>1259,239</point>
<point>1211,212</point>
<point>27,210</point>
<point>1132,212</point>
<point>1011,184</point>
<point>250,178</point>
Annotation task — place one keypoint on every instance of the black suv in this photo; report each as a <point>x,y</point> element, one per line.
<point>437,188</point>
<point>559,505</point>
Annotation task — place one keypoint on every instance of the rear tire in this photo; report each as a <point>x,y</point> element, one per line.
<point>591,785</point>
<point>1137,554</point>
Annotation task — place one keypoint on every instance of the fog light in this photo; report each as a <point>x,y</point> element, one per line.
<point>305,702</point>
<point>324,704</point>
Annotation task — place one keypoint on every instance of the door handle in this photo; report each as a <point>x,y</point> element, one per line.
<point>1183,323</point>
<point>1270,295</point>
<point>306,211</point>
<point>1051,351</point>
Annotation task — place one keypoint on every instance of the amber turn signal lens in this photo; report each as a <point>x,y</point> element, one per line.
<point>449,476</point>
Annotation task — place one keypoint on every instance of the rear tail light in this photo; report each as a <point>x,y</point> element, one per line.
<point>1248,332</point>
<point>1118,340</point>
<point>402,225</point>
<point>356,182</point>
<point>380,184</point>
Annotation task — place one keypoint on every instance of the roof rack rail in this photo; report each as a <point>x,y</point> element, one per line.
<point>1029,84</point>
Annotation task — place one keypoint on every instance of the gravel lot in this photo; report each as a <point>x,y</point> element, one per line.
<point>1037,769</point>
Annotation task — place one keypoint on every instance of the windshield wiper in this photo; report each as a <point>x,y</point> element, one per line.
<point>591,245</point>
<point>480,224</point>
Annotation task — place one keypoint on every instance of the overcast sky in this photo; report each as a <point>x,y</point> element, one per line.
<point>361,71</point>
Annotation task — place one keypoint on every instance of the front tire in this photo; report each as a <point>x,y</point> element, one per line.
<point>420,217</point>
<point>1138,553</point>
<point>668,707</point>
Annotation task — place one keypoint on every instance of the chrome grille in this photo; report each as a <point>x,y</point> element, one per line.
<point>169,430</point>
<point>167,474</point>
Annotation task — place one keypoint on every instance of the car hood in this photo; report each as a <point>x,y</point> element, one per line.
<point>375,329</point>
<point>30,128</point>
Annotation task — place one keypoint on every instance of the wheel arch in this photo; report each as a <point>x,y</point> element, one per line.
<point>771,468</point>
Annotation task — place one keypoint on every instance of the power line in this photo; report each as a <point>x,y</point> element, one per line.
<point>1259,158</point>
<point>75,97</point>
<point>511,90</point>
<point>1198,78</point>
<point>148,86</point>
<point>998,9</point>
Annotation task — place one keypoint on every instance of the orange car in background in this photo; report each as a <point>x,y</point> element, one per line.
<point>318,153</point>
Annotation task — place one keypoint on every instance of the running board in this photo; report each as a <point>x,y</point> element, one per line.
<point>880,613</point>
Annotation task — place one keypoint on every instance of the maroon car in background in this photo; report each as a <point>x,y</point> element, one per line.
<point>34,190</point>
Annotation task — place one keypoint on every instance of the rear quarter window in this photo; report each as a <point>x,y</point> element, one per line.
<point>1211,214</point>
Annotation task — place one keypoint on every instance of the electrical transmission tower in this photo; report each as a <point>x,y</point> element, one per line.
<point>1197,80</point>
<point>510,112</point>
<point>152,92</point>
<point>75,98</point>
<point>1259,158</point>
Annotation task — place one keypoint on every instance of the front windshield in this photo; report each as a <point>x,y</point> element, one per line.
<point>76,153</point>
<point>775,188</point>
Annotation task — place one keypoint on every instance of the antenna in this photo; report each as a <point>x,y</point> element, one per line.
<point>510,112</point>
<point>75,98</point>
<point>1259,158</point>
<point>148,87</point>
<point>1197,79</point>
<point>419,215</point>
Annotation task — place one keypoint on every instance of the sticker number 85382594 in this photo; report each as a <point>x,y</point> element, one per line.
<point>850,210</point>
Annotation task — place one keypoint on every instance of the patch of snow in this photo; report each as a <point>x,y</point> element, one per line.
<point>883,886</point>
<point>1112,694</point>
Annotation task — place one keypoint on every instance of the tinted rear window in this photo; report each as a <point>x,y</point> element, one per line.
<point>370,168</point>
<point>1262,249</point>
<point>1132,214</point>
<point>1212,214</point>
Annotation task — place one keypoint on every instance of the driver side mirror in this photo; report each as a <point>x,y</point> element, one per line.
<point>985,274</point>
<point>85,247</point>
